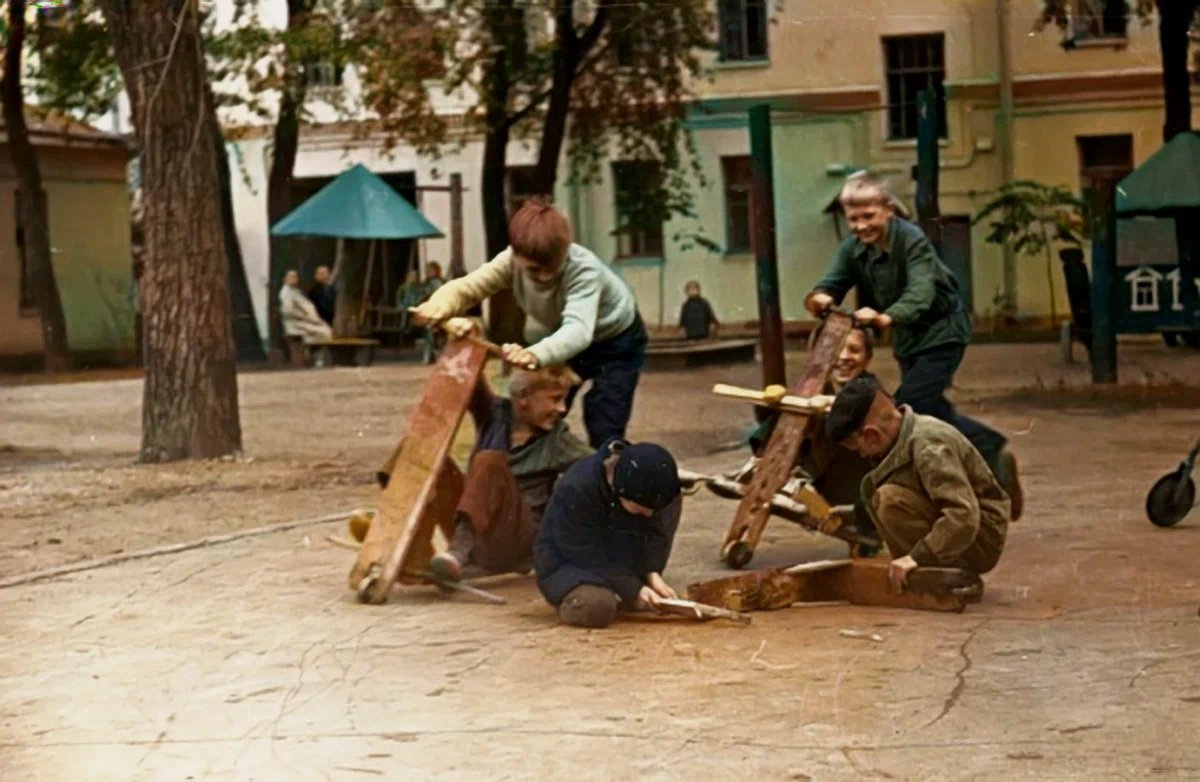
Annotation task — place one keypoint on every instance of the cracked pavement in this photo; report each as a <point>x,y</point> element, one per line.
<point>251,661</point>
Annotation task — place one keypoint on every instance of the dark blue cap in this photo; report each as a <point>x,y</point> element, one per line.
<point>646,474</point>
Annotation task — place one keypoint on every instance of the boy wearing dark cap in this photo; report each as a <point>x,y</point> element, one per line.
<point>607,533</point>
<point>932,496</point>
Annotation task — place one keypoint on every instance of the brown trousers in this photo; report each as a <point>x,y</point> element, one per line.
<point>905,517</point>
<point>504,527</point>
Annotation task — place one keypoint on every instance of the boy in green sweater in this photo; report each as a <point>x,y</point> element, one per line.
<point>578,312</point>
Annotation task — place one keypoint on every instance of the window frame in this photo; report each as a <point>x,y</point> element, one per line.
<point>730,187</point>
<point>741,18</point>
<point>935,76</point>
<point>637,242</point>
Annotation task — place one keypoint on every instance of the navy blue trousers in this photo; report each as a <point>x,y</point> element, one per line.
<point>614,367</point>
<point>924,378</point>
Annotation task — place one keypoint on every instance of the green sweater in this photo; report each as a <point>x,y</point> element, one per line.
<point>908,282</point>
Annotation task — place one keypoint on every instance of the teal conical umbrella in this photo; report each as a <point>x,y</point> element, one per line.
<point>1168,181</point>
<point>356,205</point>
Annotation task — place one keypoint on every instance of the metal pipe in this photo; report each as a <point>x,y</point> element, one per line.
<point>1004,131</point>
<point>770,320</point>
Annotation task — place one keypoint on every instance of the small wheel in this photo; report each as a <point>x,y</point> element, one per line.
<point>738,555</point>
<point>1165,506</point>
<point>1171,339</point>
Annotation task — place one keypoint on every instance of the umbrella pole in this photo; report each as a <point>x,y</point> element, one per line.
<point>338,253</point>
<point>366,291</point>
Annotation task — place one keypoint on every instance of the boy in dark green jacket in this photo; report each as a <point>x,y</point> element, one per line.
<point>903,284</point>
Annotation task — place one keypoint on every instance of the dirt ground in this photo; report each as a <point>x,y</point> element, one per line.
<point>252,661</point>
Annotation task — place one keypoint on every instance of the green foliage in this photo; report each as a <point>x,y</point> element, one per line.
<point>73,66</point>
<point>1030,216</point>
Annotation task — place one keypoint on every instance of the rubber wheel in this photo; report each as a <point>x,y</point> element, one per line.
<point>1191,338</point>
<point>1162,507</point>
<point>739,555</point>
<point>1171,338</point>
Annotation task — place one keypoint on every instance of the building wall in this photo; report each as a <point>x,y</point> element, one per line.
<point>88,211</point>
<point>826,80</point>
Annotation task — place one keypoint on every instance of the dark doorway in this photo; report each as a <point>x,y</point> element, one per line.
<point>1103,162</point>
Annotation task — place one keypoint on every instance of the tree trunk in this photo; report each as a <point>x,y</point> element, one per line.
<point>1174,21</point>
<point>569,51</point>
<point>505,319</point>
<point>32,205</point>
<point>247,341</point>
<point>284,146</point>
<point>190,402</point>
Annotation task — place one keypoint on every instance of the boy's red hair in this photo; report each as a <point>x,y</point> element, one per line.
<point>540,233</point>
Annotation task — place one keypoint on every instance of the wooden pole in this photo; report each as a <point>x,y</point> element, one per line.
<point>366,291</point>
<point>928,211</point>
<point>457,260</point>
<point>1104,262</point>
<point>770,319</point>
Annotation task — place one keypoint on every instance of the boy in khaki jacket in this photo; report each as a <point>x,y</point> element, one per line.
<point>932,496</point>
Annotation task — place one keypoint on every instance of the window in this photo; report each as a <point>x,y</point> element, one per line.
<point>519,187</point>
<point>1099,20</point>
<point>319,75</point>
<point>914,63</point>
<point>743,30</point>
<point>738,204</point>
<point>27,297</point>
<point>639,228</point>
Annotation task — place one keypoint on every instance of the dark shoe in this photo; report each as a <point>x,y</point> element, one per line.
<point>448,564</point>
<point>446,567</point>
<point>1010,480</point>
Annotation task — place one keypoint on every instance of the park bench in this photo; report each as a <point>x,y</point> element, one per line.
<point>683,354</point>
<point>332,351</point>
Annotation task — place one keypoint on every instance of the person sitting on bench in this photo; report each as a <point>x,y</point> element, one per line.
<point>607,533</point>
<point>300,317</point>
<point>522,447</point>
<point>931,495</point>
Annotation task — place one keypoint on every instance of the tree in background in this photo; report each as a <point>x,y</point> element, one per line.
<point>190,401</point>
<point>31,205</point>
<point>599,81</point>
<point>1176,20</point>
<point>1031,218</point>
<point>75,72</point>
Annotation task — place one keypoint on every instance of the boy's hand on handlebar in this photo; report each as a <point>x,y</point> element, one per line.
<point>818,303</point>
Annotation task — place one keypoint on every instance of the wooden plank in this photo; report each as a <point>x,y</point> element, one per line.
<point>417,473</point>
<point>788,403</point>
<point>439,513</point>
<point>861,582</point>
<point>700,611</point>
<point>866,583</point>
<point>775,467</point>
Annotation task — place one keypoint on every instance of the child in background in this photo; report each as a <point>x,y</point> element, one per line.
<point>696,317</point>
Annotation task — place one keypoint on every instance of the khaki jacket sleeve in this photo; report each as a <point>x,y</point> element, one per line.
<point>945,480</point>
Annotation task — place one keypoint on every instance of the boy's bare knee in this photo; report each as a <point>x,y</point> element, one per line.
<point>589,605</point>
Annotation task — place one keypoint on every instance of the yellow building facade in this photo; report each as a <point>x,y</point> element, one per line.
<point>84,179</point>
<point>1057,107</point>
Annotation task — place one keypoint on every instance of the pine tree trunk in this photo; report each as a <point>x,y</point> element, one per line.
<point>32,204</point>
<point>190,402</point>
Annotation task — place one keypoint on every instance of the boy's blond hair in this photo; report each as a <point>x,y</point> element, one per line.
<point>524,382</point>
<point>866,189</point>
